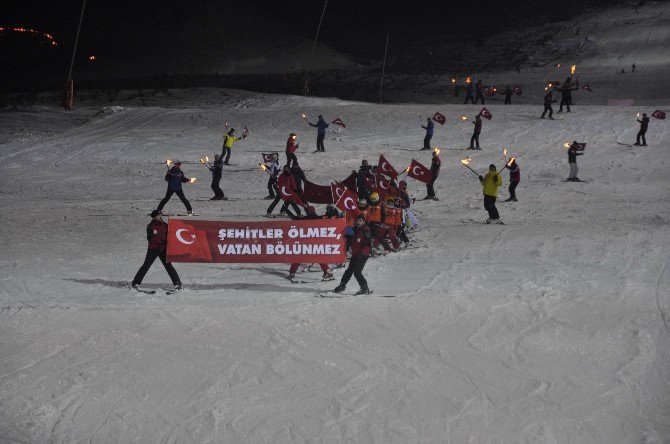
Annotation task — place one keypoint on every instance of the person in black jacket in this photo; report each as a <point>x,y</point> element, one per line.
<point>508,95</point>
<point>644,124</point>
<point>548,100</point>
<point>363,177</point>
<point>361,245</point>
<point>298,176</point>
<point>479,89</point>
<point>175,177</point>
<point>157,231</point>
<point>310,215</point>
<point>434,171</point>
<point>566,95</point>
<point>572,161</point>
<point>217,169</point>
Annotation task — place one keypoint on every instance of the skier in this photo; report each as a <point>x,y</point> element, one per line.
<point>273,169</point>
<point>566,95</point>
<point>320,126</point>
<point>228,141</point>
<point>310,215</point>
<point>479,88</point>
<point>469,94</point>
<point>475,134</point>
<point>175,177</point>
<point>429,127</point>
<point>380,230</point>
<point>361,244</point>
<point>514,179</point>
<point>548,100</point>
<point>217,168</point>
<point>434,171</point>
<point>572,162</point>
<point>508,95</point>
<point>364,179</point>
<point>644,124</point>
<point>285,179</point>
<point>157,231</point>
<point>490,183</point>
<point>291,146</point>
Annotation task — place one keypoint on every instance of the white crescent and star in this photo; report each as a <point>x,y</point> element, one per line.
<point>420,173</point>
<point>347,206</point>
<point>181,239</point>
<point>283,191</point>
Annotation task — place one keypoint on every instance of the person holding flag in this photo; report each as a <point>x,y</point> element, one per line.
<point>361,244</point>
<point>228,140</point>
<point>429,127</point>
<point>475,134</point>
<point>175,177</point>
<point>320,126</point>
<point>644,124</point>
<point>490,183</point>
<point>157,234</point>
<point>286,190</point>
<point>434,171</point>
<point>364,179</point>
<point>573,152</point>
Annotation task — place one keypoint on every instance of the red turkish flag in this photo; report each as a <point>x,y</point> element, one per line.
<point>580,146</point>
<point>517,90</point>
<point>245,132</point>
<point>187,242</point>
<point>490,91</point>
<point>284,183</point>
<point>439,118</point>
<point>419,172</point>
<point>385,168</point>
<point>267,157</point>
<point>339,121</point>
<point>587,88</point>
<point>337,190</point>
<point>348,201</point>
<point>385,187</point>
<point>658,114</point>
<point>485,114</point>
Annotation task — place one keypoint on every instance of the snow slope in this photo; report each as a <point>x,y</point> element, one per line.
<point>551,328</point>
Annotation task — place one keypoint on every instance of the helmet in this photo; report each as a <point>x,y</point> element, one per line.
<point>374,197</point>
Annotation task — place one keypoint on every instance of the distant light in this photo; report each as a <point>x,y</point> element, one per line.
<point>91,58</point>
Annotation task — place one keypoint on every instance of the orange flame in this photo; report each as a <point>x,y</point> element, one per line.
<point>453,80</point>
<point>638,114</point>
<point>304,116</point>
<point>192,180</point>
<point>566,145</point>
<point>464,117</point>
<point>510,161</point>
<point>466,161</point>
<point>91,58</point>
<point>263,167</point>
<point>558,66</point>
<point>436,151</point>
<point>573,68</point>
<point>168,162</point>
<point>468,80</point>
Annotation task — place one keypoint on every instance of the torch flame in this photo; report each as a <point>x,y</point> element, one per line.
<point>468,80</point>
<point>206,159</point>
<point>192,180</point>
<point>566,145</point>
<point>504,152</point>
<point>466,161</point>
<point>558,66</point>
<point>436,151</point>
<point>573,68</point>
<point>638,114</point>
<point>510,161</point>
<point>464,117</point>
<point>168,162</point>
<point>453,80</point>
<point>407,170</point>
<point>263,167</point>
<point>304,116</point>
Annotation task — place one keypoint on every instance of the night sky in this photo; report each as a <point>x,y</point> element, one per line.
<point>354,27</point>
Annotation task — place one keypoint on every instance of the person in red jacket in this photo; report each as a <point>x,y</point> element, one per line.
<point>310,215</point>
<point>291,146</point>
<point>435,171</point>
<point>157,236</point>
<point>514,179</point>
<point>285,180</point>
<point>361,245</point>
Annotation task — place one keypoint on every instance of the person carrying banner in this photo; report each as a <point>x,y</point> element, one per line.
<point>217,169</point>
<point>644,124</point>
<point>573,152</point>
<point>310,215</point>
<point>320,126</point>
<point>490,183</point>
<point>285,179</point>
<point>291,146</point>
<point>429,127</point>
<point>361,245</point>
<point>175,177</point>
<point>228,140</point>
<point>434,171</point>
<point>476,132</point>
<point>157,232</point>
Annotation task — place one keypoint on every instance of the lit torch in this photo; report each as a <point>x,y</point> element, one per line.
<point>465,163</point>
<point>453,80</point>
<point>303,115</point>
<point>566,145</point>
<point>510,161</point>
<point>436,151</point>
<point>504,153</point>
<point>468,80</point>
<point>464,118</point>
<point>264,168</point>
<point>168,163</point>
<point>573,68</point>
<point>192,180</point>
<point>638,115</point>
<point>558,66</point>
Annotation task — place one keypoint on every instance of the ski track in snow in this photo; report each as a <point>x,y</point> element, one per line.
<point>550,328</point>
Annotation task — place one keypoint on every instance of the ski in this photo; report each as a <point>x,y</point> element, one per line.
<point>333,295</point>
<point>140,290</point>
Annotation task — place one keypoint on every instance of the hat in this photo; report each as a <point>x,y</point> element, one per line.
<point>492,166</point>
<point>155,213</point>
<point>320,116</point>
<point>177,162</point>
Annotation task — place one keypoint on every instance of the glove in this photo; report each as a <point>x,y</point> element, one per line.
<point>481,178</point>
<point>495,178</point>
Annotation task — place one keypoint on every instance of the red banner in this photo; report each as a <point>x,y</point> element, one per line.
<point>303,241</point>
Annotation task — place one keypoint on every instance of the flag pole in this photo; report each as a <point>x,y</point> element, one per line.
<point>381,83</point>
<point>311,54</point>
<point>76,41</point>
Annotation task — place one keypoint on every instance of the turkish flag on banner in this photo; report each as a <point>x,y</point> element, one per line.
<point>306,241</point>
<point>314,193</point>
<point>385,168</point>
<point>490,91</point>
<point>348,201</point>
<point>517,90</point>
<point>485,114</point>
<point>658,114</point>
<point>587,88</point>
<point>267,157</point>
<point>286,191</point>
<point>339,121</point>
<point>439,118</point>
<point>245,132</point>
<point>419,172</point>
<point>187,243</point>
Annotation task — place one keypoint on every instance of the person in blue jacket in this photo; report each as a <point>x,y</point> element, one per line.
<point>320,126</point>
<point>175,177</point>
<point>429,127</point>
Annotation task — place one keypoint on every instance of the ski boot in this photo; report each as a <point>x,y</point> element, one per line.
<point>327,276</point>
<point>291,276</point>
<point>339,289</point>
<point>365,290</point>
<point>178,287</point>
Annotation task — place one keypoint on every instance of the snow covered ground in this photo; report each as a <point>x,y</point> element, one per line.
<point>551,328</point>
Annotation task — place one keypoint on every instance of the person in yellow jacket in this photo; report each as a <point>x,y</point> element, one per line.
<point>228,141</point>
<point>490,182</point>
